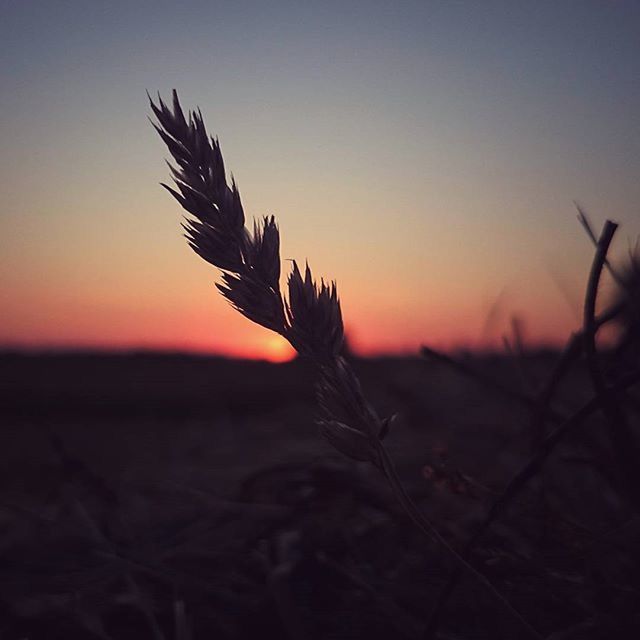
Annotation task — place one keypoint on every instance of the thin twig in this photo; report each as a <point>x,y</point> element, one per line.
<point>586,224</point>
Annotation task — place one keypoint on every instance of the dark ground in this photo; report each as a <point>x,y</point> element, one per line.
<point>176,497</point>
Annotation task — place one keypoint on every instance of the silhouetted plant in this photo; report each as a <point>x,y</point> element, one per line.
<point>311,319</point>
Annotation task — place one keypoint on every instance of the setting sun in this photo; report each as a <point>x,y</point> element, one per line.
<point>277,349</point>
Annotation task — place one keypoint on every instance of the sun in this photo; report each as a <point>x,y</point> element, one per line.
<point>277,349</point>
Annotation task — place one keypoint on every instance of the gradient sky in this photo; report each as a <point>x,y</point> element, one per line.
<point>423,154</point>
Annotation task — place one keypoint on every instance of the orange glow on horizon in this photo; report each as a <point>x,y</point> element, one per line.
<point>209,326</point>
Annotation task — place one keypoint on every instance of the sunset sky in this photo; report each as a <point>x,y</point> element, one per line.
<point>425,155</point>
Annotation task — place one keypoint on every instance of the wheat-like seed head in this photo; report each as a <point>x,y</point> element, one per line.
<point>250,261</point>
<point>311,318</point>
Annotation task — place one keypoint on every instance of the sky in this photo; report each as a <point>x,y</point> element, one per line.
<point>425,155</point>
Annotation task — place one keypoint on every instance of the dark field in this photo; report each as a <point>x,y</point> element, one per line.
<point>162,496</point>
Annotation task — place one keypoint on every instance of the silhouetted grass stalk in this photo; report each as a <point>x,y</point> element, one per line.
<point>310,318</point>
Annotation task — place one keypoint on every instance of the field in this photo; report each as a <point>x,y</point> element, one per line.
<point>169,496</point>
